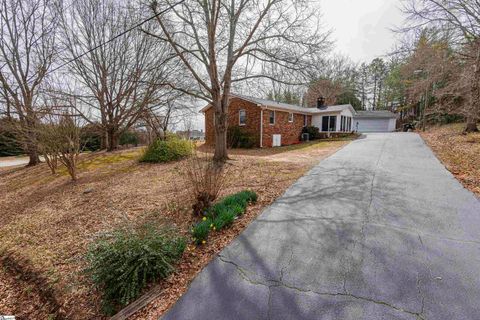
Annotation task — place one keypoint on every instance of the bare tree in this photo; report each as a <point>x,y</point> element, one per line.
<point>460,19</point>
<point>119,75</point>
<point>378,72</point>
<point>27,49</point>
<point>48,144</point>
<point>364,84</point>
<point>224,42</point>
<point>160,119</point>
<point>427,72</point>
<point>325,88</point>
<point>69,141</point>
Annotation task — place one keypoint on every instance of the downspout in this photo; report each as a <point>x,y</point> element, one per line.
<point>261,126</point>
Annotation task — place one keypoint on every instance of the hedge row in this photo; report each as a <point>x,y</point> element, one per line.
<point>222,214</point>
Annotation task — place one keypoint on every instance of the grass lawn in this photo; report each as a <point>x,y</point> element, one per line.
<point>47,222</point>
<point>459,153</point>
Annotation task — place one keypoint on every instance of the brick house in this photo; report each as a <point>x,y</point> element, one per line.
<point>279,124</point>
<point>267,120</point>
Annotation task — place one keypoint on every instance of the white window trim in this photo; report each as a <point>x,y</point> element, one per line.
<point>305,120</point>
<point>290,114</point>
<point>274,117</point>
<point>239,117</point>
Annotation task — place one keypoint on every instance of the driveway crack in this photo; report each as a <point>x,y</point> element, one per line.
<point>276,284</point>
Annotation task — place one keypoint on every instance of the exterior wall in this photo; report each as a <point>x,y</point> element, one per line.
<point>290,131</point>
<point>317,119</point>
<point>252,124</point>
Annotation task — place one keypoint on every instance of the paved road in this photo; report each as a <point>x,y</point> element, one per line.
<point>380,230</point>
<point>11,162</point>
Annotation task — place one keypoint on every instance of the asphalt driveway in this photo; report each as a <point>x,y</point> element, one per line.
<point>379,230</point>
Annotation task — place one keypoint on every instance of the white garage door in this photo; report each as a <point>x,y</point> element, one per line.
<point>372,125</point>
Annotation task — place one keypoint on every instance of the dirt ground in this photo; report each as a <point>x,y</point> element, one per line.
<point>47,222</point>
<point>460,153</point>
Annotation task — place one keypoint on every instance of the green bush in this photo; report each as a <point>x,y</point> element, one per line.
<point>238,137</point>
<point>167,150</point>
<point>90,140</point>
<point>124,261</point>
<point>9,145</point>
<point>313,132</point>
<point>222,214</point>
<point>129,138</point>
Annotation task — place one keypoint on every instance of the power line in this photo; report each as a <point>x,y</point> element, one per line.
<point>115,37</point>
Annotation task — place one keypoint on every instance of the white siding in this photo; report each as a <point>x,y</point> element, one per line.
<point>317,118</point>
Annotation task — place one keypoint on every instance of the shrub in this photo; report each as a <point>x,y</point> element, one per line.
<point>9,144</point>
<point>167,150</point>
<point>223,214</point>
<point>204,179</point>
<point>122,262</point>
<point>240,138</point>
<point>313,132</point>
<point>91,138</point>
<point>129,138</point>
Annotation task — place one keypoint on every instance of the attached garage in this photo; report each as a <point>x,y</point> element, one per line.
<point>374,121</point>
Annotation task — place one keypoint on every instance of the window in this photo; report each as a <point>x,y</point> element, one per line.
<point>305,120</point>
<point>242,117</point>
<point>329,123</point>
<point>325,123</point>
<point>332,123</point>
<point>290,117</point>
<point>342,123</point>
<point>272,117</point>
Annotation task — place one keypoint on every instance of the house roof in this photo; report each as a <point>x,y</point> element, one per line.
<point>288,107</point>
<point>375,114</point>
<point>274,104</point>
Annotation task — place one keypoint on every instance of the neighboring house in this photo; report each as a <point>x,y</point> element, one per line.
<point>277,124</point>
<point>192,134</point>
<point>375,121</point>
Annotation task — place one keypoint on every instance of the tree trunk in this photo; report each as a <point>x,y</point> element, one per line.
<point>112,140</point>
<point>33,155</point>
<point>471,125</point>
<point>220,155</point>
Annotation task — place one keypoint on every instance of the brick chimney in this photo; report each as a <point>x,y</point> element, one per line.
<point>321,103</point>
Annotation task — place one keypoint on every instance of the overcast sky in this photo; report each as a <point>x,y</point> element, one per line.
<point>361,27</point>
